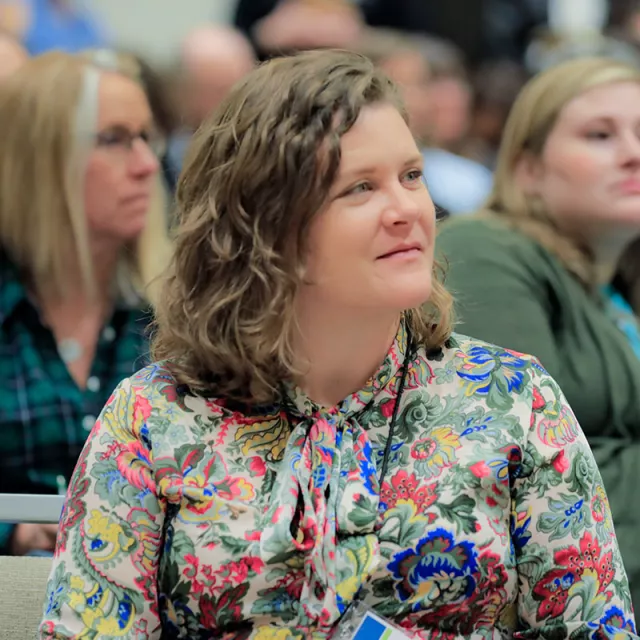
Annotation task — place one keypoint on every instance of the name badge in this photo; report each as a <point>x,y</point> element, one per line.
<point>362,623</point>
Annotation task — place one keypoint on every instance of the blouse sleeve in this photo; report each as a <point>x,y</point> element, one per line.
<point>572,580</point>
<point>103,579</point>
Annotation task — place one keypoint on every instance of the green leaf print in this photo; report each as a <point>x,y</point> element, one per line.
<point>57,590</point>
<point>402,526</point>
<point>420,412</point>
<point>445,375</point>
<point>233,545</point>
<point>276,600</point>
<point>593,603</point>
<point>566,515</point>
<point>189,455</point>
<point>533,563</point>
<point>182,545</point>
<point>364,512</point>
<point>583,474</point>
<point>384,588</point>
<point>459,512</point>
<point>498,397</point>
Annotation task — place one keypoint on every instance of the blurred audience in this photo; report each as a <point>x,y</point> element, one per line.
<point>496,85</point>
<point>44,25</point>
<point>281,26</point>
<point>296,25</point>
<point>12,55</point>
<point>457,184</point>
<point>509,26</point>
<point>450,94</point>
<point>398,55</point>
<point>82,239</point>
<point>213,58</point>
<point>536,271</point>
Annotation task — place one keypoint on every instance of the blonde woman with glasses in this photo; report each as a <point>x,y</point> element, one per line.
<point>82,237</point>
<point>548,267</point>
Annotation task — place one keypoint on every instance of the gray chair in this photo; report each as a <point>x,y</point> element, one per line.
<point>23,584</point>
<point>23,581</point>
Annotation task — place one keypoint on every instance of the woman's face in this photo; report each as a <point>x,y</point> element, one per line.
<point>121,168</point>
<point>372,248</point>
<point>588,175</point>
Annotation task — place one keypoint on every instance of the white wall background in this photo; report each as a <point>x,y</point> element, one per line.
<point>155,28</point>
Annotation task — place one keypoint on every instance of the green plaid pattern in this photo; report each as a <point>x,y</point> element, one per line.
<point>44,416</point>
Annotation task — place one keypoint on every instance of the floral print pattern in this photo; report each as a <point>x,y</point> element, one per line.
<point>199,518</point>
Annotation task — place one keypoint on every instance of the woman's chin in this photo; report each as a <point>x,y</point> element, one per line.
<point>402,298</point>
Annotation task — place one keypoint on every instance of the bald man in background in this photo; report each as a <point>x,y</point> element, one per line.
<point>12,55</point>
<point>212,59</point>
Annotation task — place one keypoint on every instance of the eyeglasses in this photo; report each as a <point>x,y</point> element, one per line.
<point>120,139</point>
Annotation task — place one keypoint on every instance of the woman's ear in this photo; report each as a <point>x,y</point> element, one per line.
<point>527,172</point>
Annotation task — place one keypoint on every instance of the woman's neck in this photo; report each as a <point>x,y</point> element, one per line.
<point>77,295</point>
<point>338,353</point>
<point>607,252</point>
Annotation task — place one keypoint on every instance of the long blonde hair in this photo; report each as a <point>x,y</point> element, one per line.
<point>528,126</point>
<point>259,171</point>
<point>48,111</point>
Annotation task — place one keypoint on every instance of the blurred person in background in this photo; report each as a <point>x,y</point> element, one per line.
<point>212,59</point>
<point>44,25</point>
<point>280,26</point>
<point>449,91</point>
<point>457,184</point>
<point>161,102</point>
<point>398,55</point>
<point>496,85</point>
<point>12,55</point>
<point>536,270</point>
<point>82,239</point>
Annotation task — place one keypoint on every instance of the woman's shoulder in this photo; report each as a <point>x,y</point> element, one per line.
<point>157,385</point>
<point>483,231</point>
<point>459,346</point>
<point>488,373</point>
<point>486,248</point>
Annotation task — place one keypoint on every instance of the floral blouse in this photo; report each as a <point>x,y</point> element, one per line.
<point>197,518</point>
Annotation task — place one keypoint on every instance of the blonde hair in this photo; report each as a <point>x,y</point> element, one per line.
<point>528,126</point>
<point>259,171</point>
<point>51,104</point>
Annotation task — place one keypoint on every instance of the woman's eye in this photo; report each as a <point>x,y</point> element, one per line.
<point>113,138</point>
<point>598,135</point>
<point>414,175</point>
<point>363,187</point>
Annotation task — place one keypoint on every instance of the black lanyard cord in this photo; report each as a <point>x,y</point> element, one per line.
<point>392,425</point>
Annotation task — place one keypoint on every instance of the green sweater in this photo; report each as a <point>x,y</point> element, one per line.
<point>511,291</point>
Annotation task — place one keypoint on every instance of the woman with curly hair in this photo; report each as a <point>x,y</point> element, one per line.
<point>313,443</point>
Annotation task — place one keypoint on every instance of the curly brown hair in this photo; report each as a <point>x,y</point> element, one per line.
<point>256,174</point>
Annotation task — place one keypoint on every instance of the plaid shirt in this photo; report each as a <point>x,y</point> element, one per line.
<point>44,416</point>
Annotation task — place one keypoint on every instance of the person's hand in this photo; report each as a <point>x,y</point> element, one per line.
<point>29,537</point>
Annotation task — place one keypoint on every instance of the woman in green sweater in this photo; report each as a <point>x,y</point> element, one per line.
<point>536,271</point>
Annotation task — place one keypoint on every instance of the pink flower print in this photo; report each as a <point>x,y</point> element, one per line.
<point>141,408</point>
<point>560,462</point>
<point>386,408</point>
<point>257,466</point>
<point>134,465</point>
<point>480,469</point>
